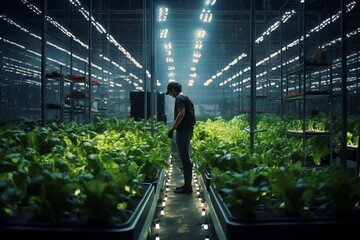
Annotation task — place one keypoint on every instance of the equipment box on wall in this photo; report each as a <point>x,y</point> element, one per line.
<point>137,105</point>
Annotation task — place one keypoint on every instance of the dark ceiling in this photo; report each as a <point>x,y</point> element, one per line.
<point>228,34</point>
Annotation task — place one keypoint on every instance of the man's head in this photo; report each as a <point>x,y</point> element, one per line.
<point>173,89</point>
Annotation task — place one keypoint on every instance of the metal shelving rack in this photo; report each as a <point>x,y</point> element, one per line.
<point>302,71</point>
<point>78,99</point>
<point>56,78</point>
<point>76,102</point>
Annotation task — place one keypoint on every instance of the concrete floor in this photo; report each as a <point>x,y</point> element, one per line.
<point>182,217</point>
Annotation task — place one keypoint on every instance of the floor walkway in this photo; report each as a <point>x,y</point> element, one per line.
<point>185,216</point>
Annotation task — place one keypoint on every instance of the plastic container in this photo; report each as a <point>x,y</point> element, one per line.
<point>136,227</point>
<point>263,225</point>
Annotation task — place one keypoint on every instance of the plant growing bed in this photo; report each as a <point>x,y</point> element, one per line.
<point>265,225</point>
<point>206,177</point>
<point>157,182</point>
<point>85,180</point>
<point>139,212</point>
<point>269,192</point>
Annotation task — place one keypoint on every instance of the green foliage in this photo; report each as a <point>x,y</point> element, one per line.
<point>320,122</point>
<point>317,148</point>
<point>102,200</point>
<point>290,189</point>
<point>272,175</point>
<point>242,191</point>
<point>54,170</point>
<point>51,199</point>
<point>339,191</point>
<point>10,196</point>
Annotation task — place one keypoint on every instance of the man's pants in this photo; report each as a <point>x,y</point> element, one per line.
<point>183,137</point>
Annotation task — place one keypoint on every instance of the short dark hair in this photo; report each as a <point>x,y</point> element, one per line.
<point>173,85</point>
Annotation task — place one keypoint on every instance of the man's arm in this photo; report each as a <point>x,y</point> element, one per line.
<point>180,116</point>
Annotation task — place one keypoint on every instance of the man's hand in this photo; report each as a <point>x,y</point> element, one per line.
<point>170,133</point>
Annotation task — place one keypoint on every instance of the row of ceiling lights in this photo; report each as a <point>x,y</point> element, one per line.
<point>284,18</point>
<point>201,34</point>
<point>77,4</point>
<point>205,17</point>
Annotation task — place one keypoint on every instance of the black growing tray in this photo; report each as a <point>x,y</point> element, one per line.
<point>278,227</point>
<point>135,227</point>
<point>157,182</point>
<point>206,176</point>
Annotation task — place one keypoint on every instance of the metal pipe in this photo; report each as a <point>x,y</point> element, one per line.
<point>61,94</point>
<point>89,65</point>
<point>304,112</point>
<point>145,58</point>
<point>71,38</point>
<point>43,64</point>
<point>252,76</point>
<point>152,96</point>
<point>343,160</point>
<point>281,67</point>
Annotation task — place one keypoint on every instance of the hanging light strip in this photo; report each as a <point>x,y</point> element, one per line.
<point>336,64</point>
<point>50,44</point>
<point>205,17</point>
<point>210,2</point>
<point>272,28</point>
<point>285,18</point>
<point>287,15</point>
<point>97,25</point>
<point>37,11</point>
<point>18,66</point>
<point>163,15</point>
<point>218,74</point>
<point>324,23</point>
<point>101,30</point>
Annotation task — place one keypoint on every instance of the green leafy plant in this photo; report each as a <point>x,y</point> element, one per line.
<point>103,202</point>
<point>339,191</point>
<point>52,171</point>
<point>291,190</point>
<point>317,148</point>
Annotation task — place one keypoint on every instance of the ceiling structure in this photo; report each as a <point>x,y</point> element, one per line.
<point>227,37</point>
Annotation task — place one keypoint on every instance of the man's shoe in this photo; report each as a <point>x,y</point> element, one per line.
<point>179,187</point>
<point>183,190</point>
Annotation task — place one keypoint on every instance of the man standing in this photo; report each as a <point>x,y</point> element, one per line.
<point>184,121</point>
